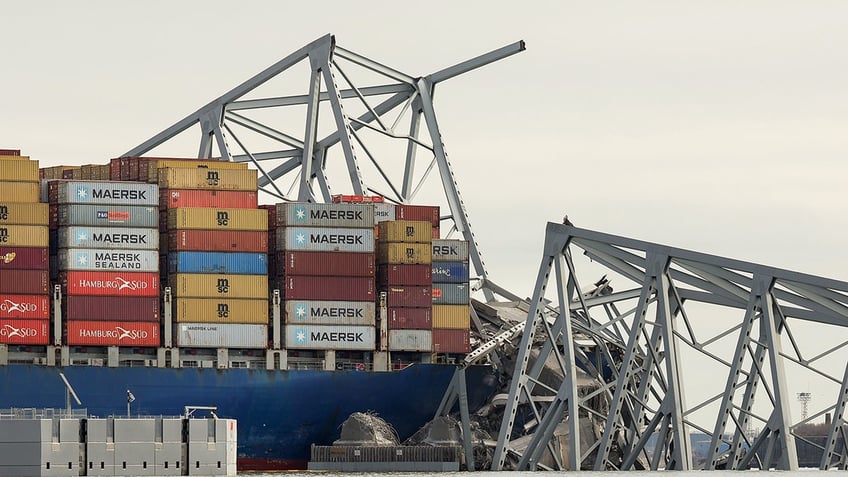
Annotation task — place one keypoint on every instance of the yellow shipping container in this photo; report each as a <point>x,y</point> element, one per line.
<point>204,218</point>
<point>220,286</point>
<point>56,172</point>
<point>155,164</point>
<point>404,253</point>
<point>406,231</point>
<point>15,158</point>
<point>453,317</point>
<point>104,172</point>
<point>24,236</point>
<point>24,213</point>
<point>87,172</point>
<point>20,192</point>
<point>208,179</point>
<point>221,310</point>
<point>18,171</point>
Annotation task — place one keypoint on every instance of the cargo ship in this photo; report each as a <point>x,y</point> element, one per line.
<point>166,278</point>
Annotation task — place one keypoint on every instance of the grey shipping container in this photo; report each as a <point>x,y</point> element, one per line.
<point>101,215</point>
<point>325,215</point>
<point>312,312</point>
<point>104,192</point>
<point>384,212</point>
<point>410,340</point>
<point>108,237</point>
<point>330,337</point>
<point>108,260</point>
<point>326,239</point>
<point>448,250</point>
<point>213,335</point>
<point>451,294</point>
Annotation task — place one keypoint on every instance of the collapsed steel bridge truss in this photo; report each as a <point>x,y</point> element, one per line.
<point>641,335</point>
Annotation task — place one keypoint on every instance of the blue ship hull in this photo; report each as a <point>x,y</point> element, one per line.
<point>280,413</point>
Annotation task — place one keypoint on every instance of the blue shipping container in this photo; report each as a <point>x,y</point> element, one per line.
<point>450,272</point>
<point>218,262</point>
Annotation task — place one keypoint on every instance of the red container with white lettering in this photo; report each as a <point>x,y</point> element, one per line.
<point>24,282</point>
<point>24,258</point>
<point>337,264</point>
<point>451,341</point>
<point>218,240</point>
<point>427,213</point>
<point>25,307</point>
<point>25,332</point>
<point>405,318</point>
<point>412,296</point>
<point>112,333</point>
<point>111,308</point>
<point>328,288</point>
<point>421,275</point>
<point>110,283</point>
<point>172,198</point>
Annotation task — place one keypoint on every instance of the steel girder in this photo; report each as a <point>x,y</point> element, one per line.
<point>302,155</point>
<point>642,332</point>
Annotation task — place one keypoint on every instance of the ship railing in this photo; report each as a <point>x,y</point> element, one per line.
<point>42,413</point>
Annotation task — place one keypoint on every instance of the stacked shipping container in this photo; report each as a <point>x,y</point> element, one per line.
<point>451,297</point>
<point>24,278</point>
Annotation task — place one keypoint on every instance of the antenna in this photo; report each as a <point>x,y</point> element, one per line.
<point>69,391</point>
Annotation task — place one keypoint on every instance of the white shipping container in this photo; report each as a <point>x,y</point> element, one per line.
<point>325,215</point>
<point>212,335</point>
<point>105,192</point>
<point>410,340</point>
<point>330,337</point>
<point>326,239</point>
<point>108,260</point>
<point>101,215</point>
<point>384,212</point>
<point>448,250</point>
<point>108,237</point>
<point>312,312</point>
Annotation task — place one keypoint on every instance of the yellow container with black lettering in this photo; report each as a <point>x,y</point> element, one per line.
<point>20,191</point>
<point>24,236</point>
<point>221,310</point>
<point>452,317</point>
<point>404,253</point>
<point>206,285</point>
<point>18,171</point>
<point>24,213</point>
<point>154,165</point>
<point>208,179</point>
<point>406,231</point>
<point>205,218</point>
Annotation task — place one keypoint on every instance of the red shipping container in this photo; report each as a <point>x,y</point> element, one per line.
<point>339,264</point>
<point>111,308</point>
<point>427,213</point>
<point>25,332</point>
<point>405,275</point>
<point>10,152</point>
<point>112,333</point>
<point>115,170</point>
<point>451,341</point>
<point>24,282</point>
<point>110,283</point>
<point>405,318</point>
<point>436,233</point>
<point>172,198</point>
<point>24,258</point>
<point>272,215</point>
<point>25,307</point>
<point>411,296</point>
<point>328,288</point>
<point>53,216</point>
<point>218,240</point>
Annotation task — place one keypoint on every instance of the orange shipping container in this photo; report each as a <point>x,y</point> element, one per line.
<point>218,240</point>
<point>172,198</point>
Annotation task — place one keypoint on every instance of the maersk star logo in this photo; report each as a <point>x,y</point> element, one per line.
<point>300,336</point>
<point>300,214</point>
<point>300,238</point>
<point>82,236</point>
<point>82,193</point>
<point>82,260</point>
<point>300,311</point>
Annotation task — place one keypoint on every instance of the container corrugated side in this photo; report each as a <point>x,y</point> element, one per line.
<point>108,260</point>
<point>13,154</point>
<point>428,213</point>
<point>217,241</point>
<point>450,272</point>
<point>112,333</point>
<point>172,198</point>
<point>412,296</point>
<point>330,337</point>
<point>24,258</point>
<point>405,231</point>
<point>101,215</point>
<point>20,192</point>
<point>128,238</point>
<point>410,340</point>
<point>326,239</point>
<point>221,335</point>
<point>409,318</point>
<point>205,218</point>
<point>383,212</point>
<point>218,262</point>
<point>340,264</point>
<point>24,282</point>
<point>104,192</point>
<point>451,341</point>
<point>154,165</point>
<point>452,316</point>
<point>304,214</point>
<point>328,288</point>
<point>110,283</point>
<point>451,294</point>
<point>448,250</point>
<point>403,253</point>
<point>208,179</point>
<point>24,235</point>
<point>221,310</point>
<point>23,213</point>
<point>25,332</point>
<point>111,308</point>
<point>18,171</point>
<point>405,275</point>
<point>330,312</point>
<point>25,307</point>
<point>206,285</point>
